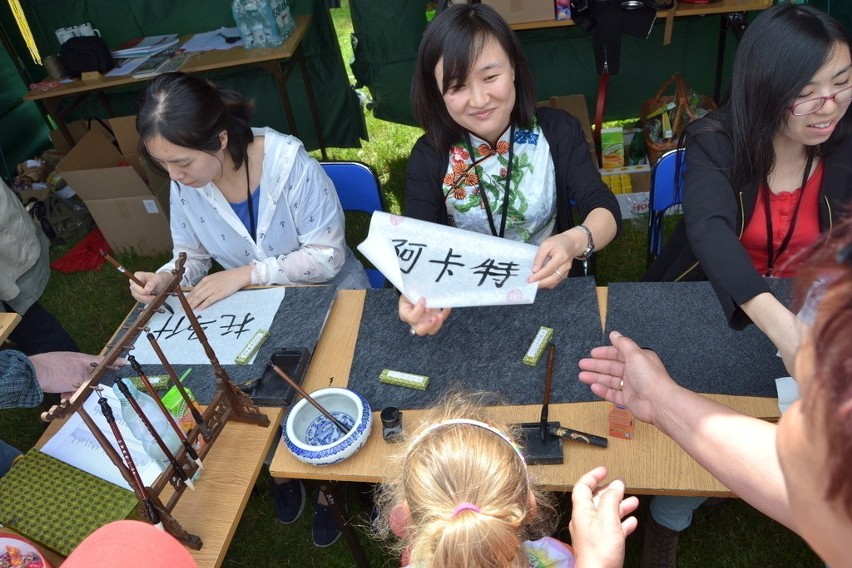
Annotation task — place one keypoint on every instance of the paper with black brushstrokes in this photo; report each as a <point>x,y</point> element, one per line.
<point>449,267</point>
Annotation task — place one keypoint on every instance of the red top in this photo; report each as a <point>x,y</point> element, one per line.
<point>782,207</point>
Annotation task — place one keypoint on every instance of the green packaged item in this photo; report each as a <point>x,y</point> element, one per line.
<point>175,403</point>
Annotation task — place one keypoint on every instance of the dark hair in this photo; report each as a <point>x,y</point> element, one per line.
<point>458,34</point>
<point>779,54</point>
<point>827,274</point>
<point>191,112</point>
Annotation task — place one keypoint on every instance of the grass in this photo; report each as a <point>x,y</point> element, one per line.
<point>92,304</point>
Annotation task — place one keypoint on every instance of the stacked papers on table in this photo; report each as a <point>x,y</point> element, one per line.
<point>147,46</point>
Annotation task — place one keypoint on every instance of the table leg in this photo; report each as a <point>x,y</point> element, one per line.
<point>52,108</point>
<point>274,69</point>
<point>312,101</point>
<point>335,494</point>
<point>105,103</point>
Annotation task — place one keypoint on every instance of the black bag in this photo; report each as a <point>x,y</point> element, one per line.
<point>85,53</point>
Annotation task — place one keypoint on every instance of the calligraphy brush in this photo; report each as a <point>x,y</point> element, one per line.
<point>106,410</point>
<point>130,275</point>
<point>340,425</point>
<point>137,368</point>
<point>151,430</point>
<point>173,376</point>
<point>548,385</point>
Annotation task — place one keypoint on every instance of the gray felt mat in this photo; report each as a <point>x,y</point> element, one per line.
<point>297,324</point>
<point>482,348</point>
<point>684,324</point>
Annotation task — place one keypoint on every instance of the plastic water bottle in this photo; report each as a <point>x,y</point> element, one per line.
<point>257,23</point>
<point>272,34</point>
<point>239,12</point>
<point>283,18</point>
<point>157,419</point>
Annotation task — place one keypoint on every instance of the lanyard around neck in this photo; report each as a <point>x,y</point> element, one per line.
<point>507,185</point>
<point>771,254</point>
<point>252,222</point>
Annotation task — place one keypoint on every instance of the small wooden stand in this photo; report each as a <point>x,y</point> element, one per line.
<point>229,403</point>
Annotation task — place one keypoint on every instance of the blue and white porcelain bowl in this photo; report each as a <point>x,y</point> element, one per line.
<point>314,439</point>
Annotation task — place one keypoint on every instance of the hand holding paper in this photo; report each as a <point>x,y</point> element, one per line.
<point>449,267</point>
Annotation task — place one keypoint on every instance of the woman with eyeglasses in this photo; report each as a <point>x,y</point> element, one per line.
<point>765,175</point>
<point>492,163</point>
<point>769,171</point>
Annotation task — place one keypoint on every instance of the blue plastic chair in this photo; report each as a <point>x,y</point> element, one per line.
<point>666,192</point>
<point>359,190</point>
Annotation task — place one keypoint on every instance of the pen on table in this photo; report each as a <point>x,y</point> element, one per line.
<point>130,275</point>
<point>578,436</point>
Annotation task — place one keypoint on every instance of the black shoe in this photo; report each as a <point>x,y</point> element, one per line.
<point>324,528</point>
<point>660,548</point>
<point>289,500</point>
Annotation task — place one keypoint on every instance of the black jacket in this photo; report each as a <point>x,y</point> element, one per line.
<point>706,243</point>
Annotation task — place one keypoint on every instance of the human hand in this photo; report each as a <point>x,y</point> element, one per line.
<point>598,525</point>
<point>626,375</point>
<point>65,371</point>
<point>215,287</point>
<point>153,284</point>
<point>553,260</point>
<point>423,320</point>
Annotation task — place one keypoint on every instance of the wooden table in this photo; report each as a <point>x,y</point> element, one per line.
<point>215,508</point>
<point>8,321</point>
<point>278,62</point>
<point>722,7</point>
<point>651,463</point>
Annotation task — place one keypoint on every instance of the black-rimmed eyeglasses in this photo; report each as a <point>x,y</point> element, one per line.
<point>809,106</point>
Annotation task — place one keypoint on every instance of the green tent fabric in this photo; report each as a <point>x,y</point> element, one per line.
<point>120,20</point>
<point>23,132</point>
<point>387,35</point>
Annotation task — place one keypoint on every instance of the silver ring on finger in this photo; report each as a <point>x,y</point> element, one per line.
<point>621,384</point>
<point>561,277</point>
<point>412,331</point>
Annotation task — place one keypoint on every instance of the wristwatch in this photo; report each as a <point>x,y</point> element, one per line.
<point>590,245</point>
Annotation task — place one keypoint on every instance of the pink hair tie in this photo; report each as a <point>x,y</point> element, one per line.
<point>465,507</point>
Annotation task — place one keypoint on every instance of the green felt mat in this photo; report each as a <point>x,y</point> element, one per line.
<point>58,505</point>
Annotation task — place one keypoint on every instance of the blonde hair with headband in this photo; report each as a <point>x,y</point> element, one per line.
<point>464,490</point>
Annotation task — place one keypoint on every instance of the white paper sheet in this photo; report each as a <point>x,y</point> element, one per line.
<point>788,392</point>
<point>126,66</point>
<point>229,324</point>
<point>207,41</point>
<point>449,267</point>
<point>75,444</point>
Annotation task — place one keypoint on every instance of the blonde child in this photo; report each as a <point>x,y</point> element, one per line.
<point>463,498</point>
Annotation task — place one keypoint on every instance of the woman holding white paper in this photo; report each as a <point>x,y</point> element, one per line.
<point>492,163</point>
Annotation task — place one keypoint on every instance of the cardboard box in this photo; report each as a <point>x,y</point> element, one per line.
<point>576,105</point>
<point>128,202</point>
<point>78,129</point>
<point>522,11</point>
<point>634,203</point>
